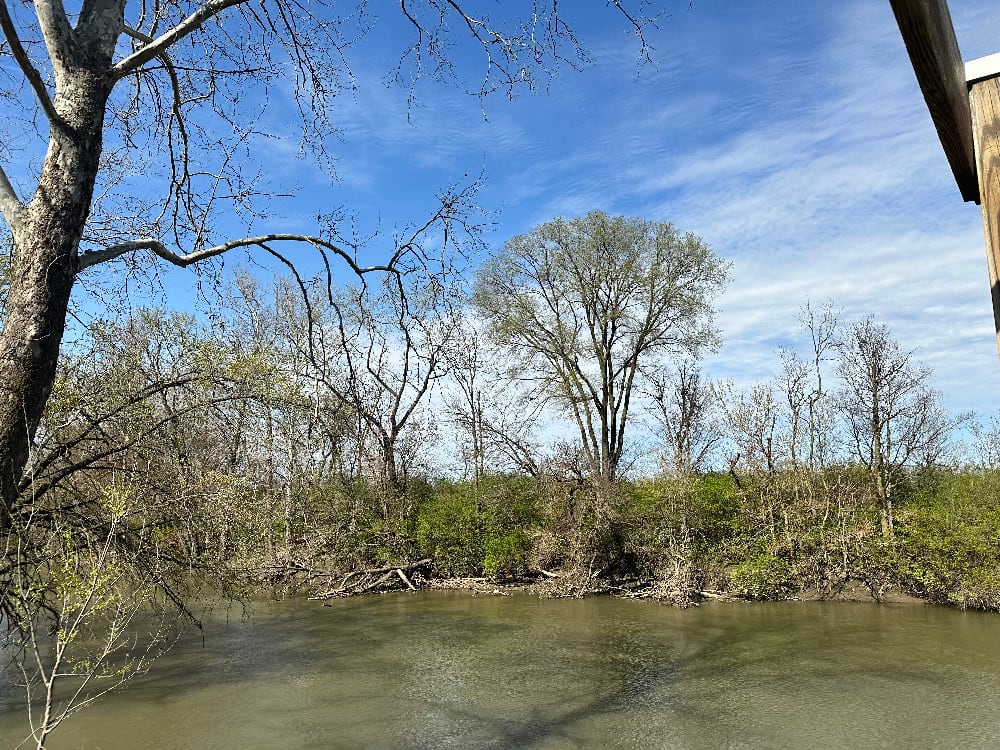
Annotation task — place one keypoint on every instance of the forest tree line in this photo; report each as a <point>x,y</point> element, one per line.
<point>549,422</point>
<point>297,437</point>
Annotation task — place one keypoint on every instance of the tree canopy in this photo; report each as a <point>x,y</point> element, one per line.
<point>587,303</point>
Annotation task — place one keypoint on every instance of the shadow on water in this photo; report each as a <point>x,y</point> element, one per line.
<point>448,670</point>
<point>819,666</point>
<point>637,682</point>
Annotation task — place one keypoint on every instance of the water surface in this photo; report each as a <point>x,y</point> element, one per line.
<point>450,670</point>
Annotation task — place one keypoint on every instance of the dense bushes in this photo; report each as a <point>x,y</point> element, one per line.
<point>949,541</point>
<point>479,528</point>
<point>772,536</point>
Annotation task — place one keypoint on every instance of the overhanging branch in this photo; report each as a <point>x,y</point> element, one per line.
<point>157,46</point>
<point>24,63</point>
<point>94,257</point>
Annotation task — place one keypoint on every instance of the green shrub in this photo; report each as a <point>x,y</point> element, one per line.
<point>472,530</point>
<point>949,541</point>
<point>762,577</point>
<point>715,504</point>
<point>450,529</point>
<point>506,555</point>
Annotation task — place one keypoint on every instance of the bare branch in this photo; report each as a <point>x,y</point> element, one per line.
<point>56,30</point>
<point>186,27</point>
<point>24,62</point>
<point>639,25</point>
<point>178,162</point>
<point>94,257</point>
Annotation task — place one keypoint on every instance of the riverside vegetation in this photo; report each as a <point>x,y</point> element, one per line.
<point>551,428</point>
<point>796,534</point>
<point>223,458</point>
<point>148,455</point>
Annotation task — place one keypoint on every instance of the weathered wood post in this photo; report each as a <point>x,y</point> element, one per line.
<point>964,102</point>
<point>984,90</point>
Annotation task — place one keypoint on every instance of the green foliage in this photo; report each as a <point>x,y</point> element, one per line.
<point>949,545</point>
<point>384,524</point>
<point>506,555</point>
<point>472,530</point>
<point>84,610</point>
<point>195,425</point>
<point>450,529</point>
<point>714,505</point>
<point>764,576</point>
<point>649,523</point>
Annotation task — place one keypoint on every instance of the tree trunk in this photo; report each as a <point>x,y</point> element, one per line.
<point>289,497</point>
<point>43,268</point>
<point>390,471</point>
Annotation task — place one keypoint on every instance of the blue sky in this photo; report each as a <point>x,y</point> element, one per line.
<point>790,135</point>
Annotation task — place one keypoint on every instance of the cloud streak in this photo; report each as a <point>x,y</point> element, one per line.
<point>791,136</point>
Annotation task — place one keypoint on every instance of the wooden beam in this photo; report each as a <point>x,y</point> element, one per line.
<point>930,40</point>
<point>984,97</point>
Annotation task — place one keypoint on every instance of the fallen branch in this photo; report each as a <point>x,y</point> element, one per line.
<point>363,581</point>
<point>714,594</point>
<point>406,580</point>
<point>548,573</point>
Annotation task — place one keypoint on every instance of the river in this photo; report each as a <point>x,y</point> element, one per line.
<point>451,670</point>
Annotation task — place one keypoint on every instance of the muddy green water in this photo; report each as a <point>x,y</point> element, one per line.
<point>449,670</point>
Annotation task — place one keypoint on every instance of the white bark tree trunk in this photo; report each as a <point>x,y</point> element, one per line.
<point>47,233</point>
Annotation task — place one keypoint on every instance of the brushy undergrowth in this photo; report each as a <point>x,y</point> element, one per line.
<point>772,537</point>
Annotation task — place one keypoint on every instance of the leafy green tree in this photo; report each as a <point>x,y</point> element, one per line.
<point>154,410</point>
<point>586,304</point>
<point>134,486</point>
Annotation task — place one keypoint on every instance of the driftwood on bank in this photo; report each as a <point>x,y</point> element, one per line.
<point>548,573</point>
<point>375,579</point>
<point>682,588</point>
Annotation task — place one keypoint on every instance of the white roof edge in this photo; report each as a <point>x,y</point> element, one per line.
<point>982,68</point>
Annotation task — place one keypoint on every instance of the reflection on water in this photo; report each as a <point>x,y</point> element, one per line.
<point>448,670</point>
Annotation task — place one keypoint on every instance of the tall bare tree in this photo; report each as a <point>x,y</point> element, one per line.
<point>684,405</point>
<point>756,422</point>
<point>892,414</point>
<point>495,414</point>
<point>379,351</point>
<point>586,303</point>
<point>821,326</point>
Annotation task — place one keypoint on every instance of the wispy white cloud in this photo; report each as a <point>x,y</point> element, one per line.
<point>844,195</point>
<point>791,136</point>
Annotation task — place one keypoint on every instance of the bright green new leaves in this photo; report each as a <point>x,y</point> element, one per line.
<point>585,304</point>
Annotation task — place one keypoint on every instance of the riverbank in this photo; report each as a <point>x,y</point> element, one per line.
<point>851,591</point>
<point>316,584</point>
<point>795,535</point>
